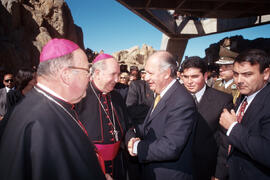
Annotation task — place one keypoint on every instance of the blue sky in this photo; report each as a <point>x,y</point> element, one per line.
<point>109,26</point>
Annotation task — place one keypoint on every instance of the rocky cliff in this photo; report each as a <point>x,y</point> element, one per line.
<point>134,56</point>
<point>26,26</point>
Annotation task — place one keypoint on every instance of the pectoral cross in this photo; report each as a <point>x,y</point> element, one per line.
<point>115,132</point>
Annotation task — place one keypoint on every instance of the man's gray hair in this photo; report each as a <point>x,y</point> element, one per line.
<point>100,65</point>
<point>168,61</point>
<point>50,68</point>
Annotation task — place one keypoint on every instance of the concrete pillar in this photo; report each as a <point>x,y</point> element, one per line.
<point>176,46</point>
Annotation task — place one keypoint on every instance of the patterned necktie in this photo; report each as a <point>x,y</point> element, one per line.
<point>157,99</point>
<point>242,110</point>
<point>240,117</point>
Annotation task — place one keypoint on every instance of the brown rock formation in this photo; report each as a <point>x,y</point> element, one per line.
<point>134,56</point>
<point>26,26</point>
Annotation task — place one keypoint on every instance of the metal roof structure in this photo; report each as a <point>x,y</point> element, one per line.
<point>192,18</point>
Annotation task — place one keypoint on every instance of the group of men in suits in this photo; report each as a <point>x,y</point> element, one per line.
<point>204,137</point>
<point>209,146</point>
<point>190,131</point>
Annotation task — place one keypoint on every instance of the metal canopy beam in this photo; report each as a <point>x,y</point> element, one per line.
<point>193,18</point>
<point>181,20</point>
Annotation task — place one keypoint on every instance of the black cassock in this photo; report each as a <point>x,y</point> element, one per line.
<point>42,141</point>
<point>99,126</point>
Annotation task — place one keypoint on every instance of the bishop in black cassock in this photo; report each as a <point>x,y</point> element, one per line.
<point>43,138</point>
<point>100,127</point>
<point>103,114</point>
<point>42,141</point>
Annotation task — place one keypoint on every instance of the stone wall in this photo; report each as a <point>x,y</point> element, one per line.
<point>27,25</point>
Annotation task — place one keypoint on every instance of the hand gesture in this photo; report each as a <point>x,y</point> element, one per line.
<point>131,144</point>
<point>227,118</point>
<point>108,177</point>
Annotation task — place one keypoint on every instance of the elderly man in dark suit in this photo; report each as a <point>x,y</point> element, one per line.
<point>8,82</point>
<point>163,143</point>
<point>248,129</point>
<point>207,162</point>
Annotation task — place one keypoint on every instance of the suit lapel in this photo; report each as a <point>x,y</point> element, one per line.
<point>238,102</point>
<point>205,100</point>
<point>255,107</point>
<point>253,110</point>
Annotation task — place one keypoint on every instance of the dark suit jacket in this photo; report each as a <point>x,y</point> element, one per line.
<point>3,98</point>
<point>207,136</point>
<point>122,89</point>
<point>166,137</point>
<point>250,155</point>
<point>139,100</point>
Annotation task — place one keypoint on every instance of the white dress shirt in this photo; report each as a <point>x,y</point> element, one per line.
<point>200,93</point>
<point>249,100</point>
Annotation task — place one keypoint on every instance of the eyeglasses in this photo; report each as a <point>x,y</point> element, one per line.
<point>80,68</point>
<point>123,77</point>
<point>9,80</point>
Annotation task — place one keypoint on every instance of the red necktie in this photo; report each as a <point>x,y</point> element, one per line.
<point>242,110</point>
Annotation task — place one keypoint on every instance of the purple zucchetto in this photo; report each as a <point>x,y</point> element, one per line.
<point>56,48</point>
<point>101,57</point>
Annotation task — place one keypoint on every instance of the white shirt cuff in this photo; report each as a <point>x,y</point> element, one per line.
<point>230,128</point>
<point>135,147</point>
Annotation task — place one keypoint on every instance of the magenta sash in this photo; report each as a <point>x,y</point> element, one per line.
<point>108,151</point>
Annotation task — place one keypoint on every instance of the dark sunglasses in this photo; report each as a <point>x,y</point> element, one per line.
<point>9,80</point>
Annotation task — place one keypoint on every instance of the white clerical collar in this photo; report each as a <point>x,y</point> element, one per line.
<point>227,84</point>
<point>200,93</point>
<point>45,88</point>
<point>168,87</point>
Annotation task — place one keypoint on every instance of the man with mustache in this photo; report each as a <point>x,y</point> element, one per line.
<point>248,127</point>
